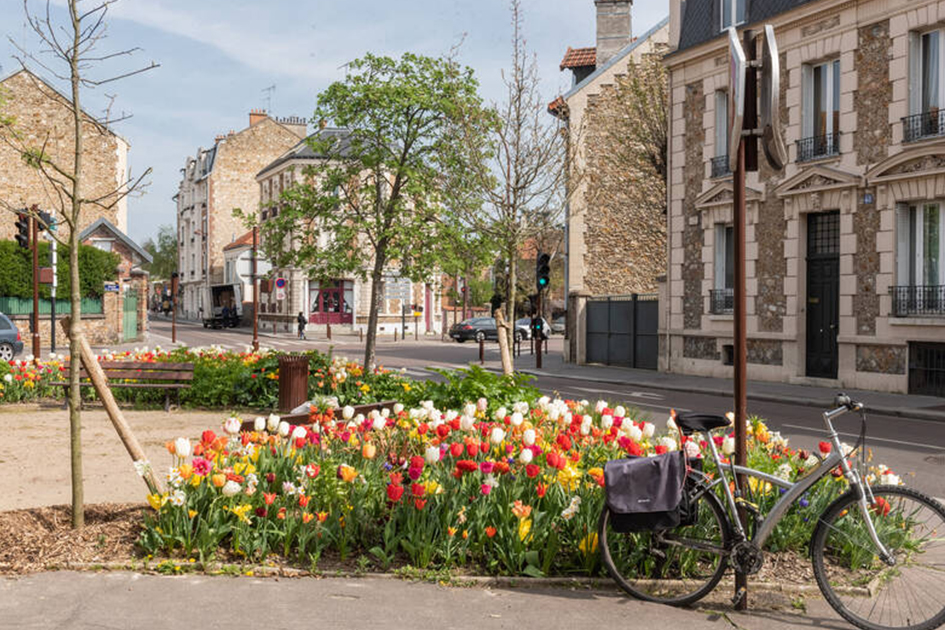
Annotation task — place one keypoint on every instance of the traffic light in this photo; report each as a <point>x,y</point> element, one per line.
<point>46,221</point>
<point>23,230</point>
<point>542,271</point>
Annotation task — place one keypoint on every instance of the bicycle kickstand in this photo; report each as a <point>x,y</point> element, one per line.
<point>739,596</point>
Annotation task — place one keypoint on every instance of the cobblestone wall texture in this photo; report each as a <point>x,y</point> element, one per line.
<point>701,348</point>
<point>693,270</point>
<point>866,267</point>
<point>881,359</point>
<point>873,94</point>
<point>764,352</point>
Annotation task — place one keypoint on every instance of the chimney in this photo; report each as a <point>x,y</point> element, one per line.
<point>257,116</point>
<point>613,28</point>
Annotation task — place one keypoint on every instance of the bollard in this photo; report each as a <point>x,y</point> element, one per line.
<point>293,381</point>
<point>360,335</point>
<point>328,329</point>
<point>482,351</point>
<point>395,334</point>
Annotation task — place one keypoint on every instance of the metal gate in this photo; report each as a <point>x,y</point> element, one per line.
<point>129,323</point>
<point>927,368</point>
<point>622,330</point>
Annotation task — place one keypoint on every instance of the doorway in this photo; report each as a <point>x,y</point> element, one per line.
<point>823,293</point>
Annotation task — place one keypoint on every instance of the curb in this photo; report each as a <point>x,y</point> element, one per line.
<point>936,416</point>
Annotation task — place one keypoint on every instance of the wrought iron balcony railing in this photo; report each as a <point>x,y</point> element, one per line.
<point>720,166</point>
<point>925,125</point>
<point>918,300</point>
<point>817,147</point>
<point>721,301</point>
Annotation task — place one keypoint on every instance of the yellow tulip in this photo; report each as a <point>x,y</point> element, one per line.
<point>368,451</point>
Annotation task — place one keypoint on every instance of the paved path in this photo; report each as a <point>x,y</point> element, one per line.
<point>127,600</point>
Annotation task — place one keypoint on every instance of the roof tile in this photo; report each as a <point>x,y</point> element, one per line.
<point>579,58</point>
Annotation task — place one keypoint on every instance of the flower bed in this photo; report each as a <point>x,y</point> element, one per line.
<point>511,491</point>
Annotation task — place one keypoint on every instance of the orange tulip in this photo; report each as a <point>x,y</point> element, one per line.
<point>368,451</point>
<point>218,479</point>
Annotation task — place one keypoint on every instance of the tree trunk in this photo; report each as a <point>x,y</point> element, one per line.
<point>510,297</point>
<point>503,326</point>
<point>377,275</point>
<point>75,289</point>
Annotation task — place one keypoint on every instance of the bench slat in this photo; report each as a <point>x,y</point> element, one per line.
<point>133,385</point>
<point>145,375</point>
<point>145,365</point>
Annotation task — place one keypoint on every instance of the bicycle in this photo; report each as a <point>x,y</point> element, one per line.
<point>878,552</point>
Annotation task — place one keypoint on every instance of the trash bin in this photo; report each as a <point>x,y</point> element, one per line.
<point>293,381</point>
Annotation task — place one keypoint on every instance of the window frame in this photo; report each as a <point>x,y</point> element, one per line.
<point>910,245</point>
<point>723,232</point>
<point>722,138</point>
<point>833,70</point>
<point>733,13</point>
<point>916,74</point>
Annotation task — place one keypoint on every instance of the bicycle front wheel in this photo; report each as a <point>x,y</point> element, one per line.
<point>868,592</point>
<point>678,566</point>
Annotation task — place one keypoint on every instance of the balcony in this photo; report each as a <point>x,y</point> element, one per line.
<point>720,166</point>
<point>925,300</point>
<point>929,124</point>
<point>721,301</point>
<point>817,147</point>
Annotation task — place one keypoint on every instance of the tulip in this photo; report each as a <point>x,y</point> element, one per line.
<point>231,488</point>
<point>635,433</point>
<point>398,408</point>
<point>379,423</point>
<point>348,412</point>
<point>182,447</point>
<point>432,454</point>
<point>669,443</point>
<point>528,437</point>
<point>728,445</point>
<point>272,423</point>
<point>497,435</point>
<point>232,425</point>
<point>259,424</point>
<point>606,421</point>
<point>620,412</point>
<point>517,419</point>
<point>526,456</point>
<point>283,428</point>
<point>368,451</point>
<point>482,404</point>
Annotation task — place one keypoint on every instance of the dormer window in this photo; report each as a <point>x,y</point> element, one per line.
<point>732,12</point>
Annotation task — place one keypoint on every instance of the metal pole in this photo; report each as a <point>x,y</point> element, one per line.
<point>403,322</point>
<point>416,325</point>
<point>52,296</point>
<point>255,290</point>
<point>482,351</point>
<point>465,297</point>
<point>174,283</point>
<point>34,227</point>
<point>538,333</point>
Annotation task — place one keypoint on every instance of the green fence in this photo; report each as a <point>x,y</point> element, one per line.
<point>21,306</point>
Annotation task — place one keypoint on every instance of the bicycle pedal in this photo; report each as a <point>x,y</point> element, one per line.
<point>739,596</point>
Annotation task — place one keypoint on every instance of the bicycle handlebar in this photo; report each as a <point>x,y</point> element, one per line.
<point>842,400</point>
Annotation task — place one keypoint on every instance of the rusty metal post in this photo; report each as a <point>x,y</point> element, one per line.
<point>416,326</point>
<point>328,327</point>
<point>255,291</point>
<point>395,334</point>
<point>175,278</point>
<point>360,335</point>
<point>34,233</point>
<point>482,351</point>
<point>293,381</point>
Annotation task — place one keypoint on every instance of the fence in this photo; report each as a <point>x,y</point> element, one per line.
<point>24,306</point>
<point>622,330</point>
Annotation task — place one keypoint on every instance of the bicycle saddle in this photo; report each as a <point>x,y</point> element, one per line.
<point>692,422</point>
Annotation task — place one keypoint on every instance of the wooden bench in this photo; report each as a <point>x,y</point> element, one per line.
<point>147,375</point>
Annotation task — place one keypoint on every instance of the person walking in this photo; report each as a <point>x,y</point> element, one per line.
<point>301,320</point>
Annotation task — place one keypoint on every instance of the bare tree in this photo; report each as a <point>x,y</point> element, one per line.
<point>522,179</point>
<point>69,52</point>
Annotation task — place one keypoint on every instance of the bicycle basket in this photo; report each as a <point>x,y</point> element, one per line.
<point>645,493</point>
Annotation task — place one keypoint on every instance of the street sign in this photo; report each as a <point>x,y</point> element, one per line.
<point>280,292</point>
<point>112,287</point>
<point>736,95</point>
<point>772,133</point>
<point>280,283</point>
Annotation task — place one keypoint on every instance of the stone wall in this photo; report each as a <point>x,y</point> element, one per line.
<point>693,173</point>
<point>764,352</point>
<point>100,330</point>
<point>873,94</point>
<point>705,348</point>
<point>43,120</point>
<point>881,359</point>
<point>866,266</point>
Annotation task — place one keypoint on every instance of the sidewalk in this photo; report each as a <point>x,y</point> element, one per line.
<point>70,600</point>
<point>903,405</point>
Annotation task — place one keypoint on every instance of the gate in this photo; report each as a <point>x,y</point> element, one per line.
<point>927,368</point>
<point>129,323</point>
<point>622,330</point>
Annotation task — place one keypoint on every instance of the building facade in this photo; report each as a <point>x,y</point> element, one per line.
<point>42,119</point>
<point>845,273</point>
<point>614,245</point>
<point>342,302</point>
<point>214,182</point>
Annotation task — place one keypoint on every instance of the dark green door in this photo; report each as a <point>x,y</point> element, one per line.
<point>823,293</point>
<point>130,316</point>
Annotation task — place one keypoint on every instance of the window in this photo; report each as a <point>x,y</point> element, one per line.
<point>720,163</point>
<point>729,8</point>
<point>920,260</point>
<point>821,114</point>
<point>926,86</point>
<point>722,296</point>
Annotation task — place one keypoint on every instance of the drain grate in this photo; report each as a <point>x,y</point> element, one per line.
<point>937,460</point>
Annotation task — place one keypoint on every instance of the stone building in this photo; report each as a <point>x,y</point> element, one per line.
<point>42,119</point>
<point>845,261</point>
<point>214,182</point>
<point>613,245</point>
<point>342,302</point>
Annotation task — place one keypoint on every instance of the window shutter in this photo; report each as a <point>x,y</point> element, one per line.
<point>807,110</point>
<point>719,246</point>
<point>903,255</point>
<point>721,123</point>
<point>915,73</point>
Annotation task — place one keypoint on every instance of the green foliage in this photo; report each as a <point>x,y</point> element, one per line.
<point>95,268</point>
<point>163,250</point>
<point>469,385</point>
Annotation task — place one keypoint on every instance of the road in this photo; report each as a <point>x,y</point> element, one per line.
<point>913,448</point>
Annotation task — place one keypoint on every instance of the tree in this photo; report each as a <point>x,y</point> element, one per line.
<point>521,174</point>
<point>69,52</point>
<point>163,252</point>
<point>378,193</point>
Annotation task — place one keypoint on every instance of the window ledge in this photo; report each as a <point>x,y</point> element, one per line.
<point>826,159</point>
<point>721,317</point>
<point>917,321</point>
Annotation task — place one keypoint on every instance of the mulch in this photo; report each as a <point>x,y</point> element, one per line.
<point>38,539</point>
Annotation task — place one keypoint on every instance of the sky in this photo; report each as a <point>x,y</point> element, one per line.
<point>217,57</point>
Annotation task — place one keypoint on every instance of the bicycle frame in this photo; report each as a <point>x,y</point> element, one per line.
<point>793,491</point>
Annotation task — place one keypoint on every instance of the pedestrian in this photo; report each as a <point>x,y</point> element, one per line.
<point>301,320</point>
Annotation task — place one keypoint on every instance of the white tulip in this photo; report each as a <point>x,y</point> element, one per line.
<point>182,447</point>
<point>634,432</point>
<point>517,419</point>
<point>606,421</point>
<point>358,419</point>
<point>521,407</point>
<point>348,412</point>
<point>528,437</point>
<point>648,429</point>
<point>385,412</point>
<point>671,424</point>
<point>432,454</point>
<point>567,417</point>
<point>467,423</point>
<point>728,446</point>
<point>669,443</point>
<point>586,425</point>
<point>497,435</point>
<point>232,425</point>
<point>283,428</point>
<point>620,412</point>
<point>500,413</point>
<point>299,432</point>
<point>482,404</point>
<point>600,406</point>
<point>452,413</point>
<point>259,424</point>
<point>526,456</point>
<point>398,408</point>
<point>692,449</point>
<point>231,488</point>
<point>890,479</point>
<point>379,423</point>
<point>272,423</point>
<point>469,409</point>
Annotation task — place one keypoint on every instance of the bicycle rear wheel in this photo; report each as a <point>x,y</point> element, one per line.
<point>678,566</point>
<point>863,589</point>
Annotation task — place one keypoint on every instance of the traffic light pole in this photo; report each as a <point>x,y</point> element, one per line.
<point>34,229</point>
<point>256,293</point>
<point>52,297</point>
<point>537,332</point>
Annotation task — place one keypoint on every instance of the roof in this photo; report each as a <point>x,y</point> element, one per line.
<point>555,106</point>
<point>246,240</point>
<point>620,56</point>
<point>121,236</point>
<point>341,138</point>
<point>701,20</point>
<point>579,58</point>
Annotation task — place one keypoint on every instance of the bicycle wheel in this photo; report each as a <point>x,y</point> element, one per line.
<point>863,589</point>
<point>678,566</point>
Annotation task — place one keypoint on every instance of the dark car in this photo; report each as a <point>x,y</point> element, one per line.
<point>475,328</point>
<point>523,327</point>
<point>10,342</point>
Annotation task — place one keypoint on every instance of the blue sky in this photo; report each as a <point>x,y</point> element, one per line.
<point>217,56</point>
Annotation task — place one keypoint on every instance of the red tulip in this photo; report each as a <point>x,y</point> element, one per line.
<point>394,493</point>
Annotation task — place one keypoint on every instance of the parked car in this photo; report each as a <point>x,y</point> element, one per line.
<point>10,342</point>
<point>558,325</point>
<point>476,328</point>
<point>524,326</point>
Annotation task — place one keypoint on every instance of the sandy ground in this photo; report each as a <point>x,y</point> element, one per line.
<point>34,454</point>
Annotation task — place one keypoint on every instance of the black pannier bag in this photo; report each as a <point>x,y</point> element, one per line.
<point>645,493</point>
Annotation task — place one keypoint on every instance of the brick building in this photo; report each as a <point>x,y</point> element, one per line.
<point>613,245</point>
<point>343,301</point>
<point>216,181</point>
<point>42,119</point>
<point>845,260</point>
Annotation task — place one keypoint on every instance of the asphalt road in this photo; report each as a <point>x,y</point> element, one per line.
<point>913,448</point>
